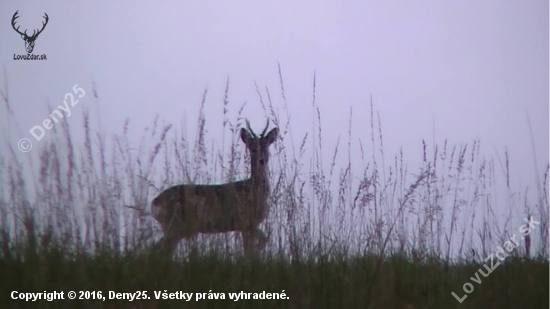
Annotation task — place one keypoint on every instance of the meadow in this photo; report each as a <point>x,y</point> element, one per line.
<point>74,216</point>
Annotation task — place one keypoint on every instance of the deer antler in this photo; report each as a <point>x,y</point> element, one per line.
<point>43,25</point>
<point>34,33</point>
<point>265,129</point>
<point>250,129</point>
<point>13,24</point>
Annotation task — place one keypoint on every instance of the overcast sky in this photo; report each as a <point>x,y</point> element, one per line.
<point>457,70</point>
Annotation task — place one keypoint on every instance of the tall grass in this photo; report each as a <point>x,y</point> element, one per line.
<point>370,233</point>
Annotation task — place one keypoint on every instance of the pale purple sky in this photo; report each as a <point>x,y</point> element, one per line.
<point>475,69</point>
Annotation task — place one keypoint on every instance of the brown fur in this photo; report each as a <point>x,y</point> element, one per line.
<point>184,211</point>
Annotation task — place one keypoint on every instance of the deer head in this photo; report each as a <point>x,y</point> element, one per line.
<point>29,40</point>
<point>259,148</point>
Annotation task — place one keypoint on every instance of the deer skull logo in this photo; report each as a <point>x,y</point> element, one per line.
<point>29,40</point>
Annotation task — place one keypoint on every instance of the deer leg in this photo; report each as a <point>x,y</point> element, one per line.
<point>261,239</point>
<point>168,244</point>
<point>193,246</point>
<point>247,241</point>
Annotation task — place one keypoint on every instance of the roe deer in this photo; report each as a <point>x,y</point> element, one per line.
<point>184,211</point>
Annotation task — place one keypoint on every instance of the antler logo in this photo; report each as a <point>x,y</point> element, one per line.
<point>29,40</point>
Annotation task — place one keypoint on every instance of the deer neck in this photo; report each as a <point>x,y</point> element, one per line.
<point>260,192</point>
<point>259,178</point>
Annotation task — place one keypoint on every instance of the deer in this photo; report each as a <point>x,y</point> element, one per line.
<point>184,211</point>
<point>29,40</point>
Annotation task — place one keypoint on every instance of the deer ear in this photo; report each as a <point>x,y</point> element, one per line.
<point>272,136</point>
<point>245,136</point>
